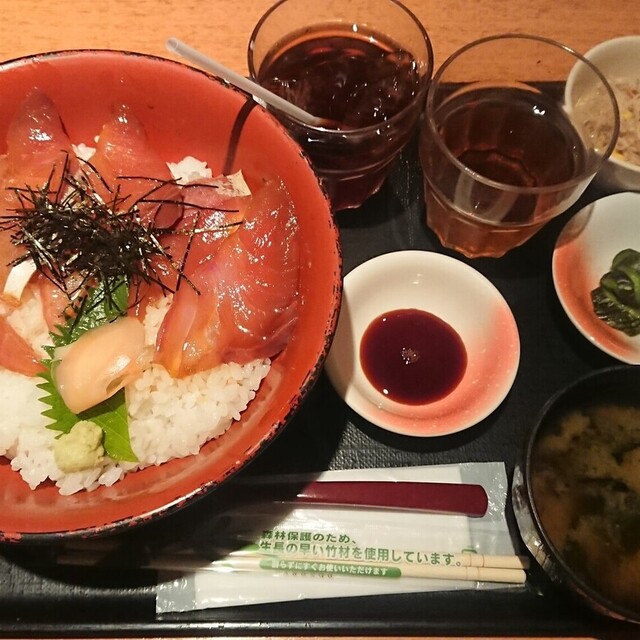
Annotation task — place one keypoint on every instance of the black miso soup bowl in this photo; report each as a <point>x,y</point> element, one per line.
<point>618,385</point>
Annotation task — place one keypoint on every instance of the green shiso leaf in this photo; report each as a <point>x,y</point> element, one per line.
<point>617,300</point>
<point>111,415</point>
<point>101,305</point>
<point>63,418</point>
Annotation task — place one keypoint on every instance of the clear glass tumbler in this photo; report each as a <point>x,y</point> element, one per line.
<point>362,67</point>
<point>502,150</point>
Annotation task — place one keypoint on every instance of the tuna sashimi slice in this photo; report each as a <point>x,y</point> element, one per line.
<point>127,166</point>
<point>208,217</point>
<point>245,305</point>
<point>38,149</point>
<point>210,213</point>
<point>38,146</point>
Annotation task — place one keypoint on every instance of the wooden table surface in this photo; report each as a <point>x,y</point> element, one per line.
<point>221,28</point>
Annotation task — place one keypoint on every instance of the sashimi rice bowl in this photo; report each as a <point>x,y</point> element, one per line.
<point>170,280</point>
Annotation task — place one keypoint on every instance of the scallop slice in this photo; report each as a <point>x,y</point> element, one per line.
<point>100,363</point>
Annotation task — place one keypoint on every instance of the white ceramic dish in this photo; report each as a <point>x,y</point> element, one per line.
<point>457,294</point>
<point>616,59</point>
<point>583,254</point>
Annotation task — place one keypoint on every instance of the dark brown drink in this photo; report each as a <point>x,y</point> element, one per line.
<point>369,89</point>
<point>352,79</point>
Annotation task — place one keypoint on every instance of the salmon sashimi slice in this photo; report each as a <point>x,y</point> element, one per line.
<point>16,353</point>
<point>245,305</point>
<point>127,167</point>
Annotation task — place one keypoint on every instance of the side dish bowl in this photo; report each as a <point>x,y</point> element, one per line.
<point>576,492</point>
<point>185,112</point>
<point>584,252</point>
<point>619,61</point>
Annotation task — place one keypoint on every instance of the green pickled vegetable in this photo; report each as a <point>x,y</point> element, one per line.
<point>617,300</point>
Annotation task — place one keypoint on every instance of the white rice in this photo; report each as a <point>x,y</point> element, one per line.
<point>168,418</point>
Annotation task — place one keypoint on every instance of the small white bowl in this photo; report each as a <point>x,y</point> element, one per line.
<point>616,59</point>
<point>457,294</point>
<point>583,254</point>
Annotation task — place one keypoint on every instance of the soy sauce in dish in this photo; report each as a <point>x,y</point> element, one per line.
<point>412,356</point>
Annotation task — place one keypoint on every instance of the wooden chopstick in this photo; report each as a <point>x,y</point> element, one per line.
<point>388,570</point>
<point>433,558</point>
<point>440,558</point>
<point>467,566</point>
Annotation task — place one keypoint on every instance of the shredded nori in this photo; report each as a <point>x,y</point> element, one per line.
<point>74,231</point>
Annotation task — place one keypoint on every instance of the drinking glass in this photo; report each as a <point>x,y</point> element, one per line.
<point>364,67</point>
<point>501,151</point>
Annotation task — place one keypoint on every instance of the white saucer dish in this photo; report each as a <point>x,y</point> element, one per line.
<point>583,254</point>
<point>458,295</point>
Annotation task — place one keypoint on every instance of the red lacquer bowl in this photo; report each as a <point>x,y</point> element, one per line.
<point>185,112</point>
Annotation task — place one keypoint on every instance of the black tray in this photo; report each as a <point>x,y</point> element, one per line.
<point>37,599</point>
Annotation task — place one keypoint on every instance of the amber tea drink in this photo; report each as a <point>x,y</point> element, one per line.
<point>500,151</point>
<point>363,68</point>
